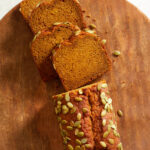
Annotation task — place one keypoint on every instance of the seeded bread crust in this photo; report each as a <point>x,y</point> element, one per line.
<point>40,24</point>
<point>97,119</point>
<point>68,85</point>
<point>45,66</point>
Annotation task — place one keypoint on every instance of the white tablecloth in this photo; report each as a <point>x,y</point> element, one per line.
<point>6,5</point>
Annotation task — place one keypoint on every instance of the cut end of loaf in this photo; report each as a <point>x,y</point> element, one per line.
<point>80,60</point>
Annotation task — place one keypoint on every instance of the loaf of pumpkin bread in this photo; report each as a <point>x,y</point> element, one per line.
<point>43,44</point>
<point>47,13</point>
<point>86,119</point>
<point>80,60</point>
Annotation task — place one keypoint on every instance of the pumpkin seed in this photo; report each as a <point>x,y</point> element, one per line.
<point>111,141</point>
<point>65,109</point>
<point>69,127</point>
<point>99,86</point>
<point>104,85</point>
<point>84,140</point>
<point>103,113</point>
<point>102,95</point>
<point>116,53</point>
<point>77,32</point>
<point>77,123</point>
<point>76,131</point>
<point>105,134</point>
<point>79,116</point>
<point>120,113</point>
<point>92,26</point>
<point>103,144</point>
<point>70,147</point>
<point>78,99</point>
<point>67,97</point>
<point>78,142</point>
<point>109,100</point>
<point>119,146</point>
<point>85,110</point>
<point>58,102</point>
<point>88,145</point>
<point>80,91</point>
<point>70,105</point>
<point>116,133</point>
<point>80,134</point>
<point>104,122</point>
<point>103,101</point>
<point>104,41</point>
<point>57,23</point>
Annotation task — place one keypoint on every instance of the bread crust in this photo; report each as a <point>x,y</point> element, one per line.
<point>102,127</point>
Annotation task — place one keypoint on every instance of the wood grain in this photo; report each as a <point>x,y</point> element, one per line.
<point>27,120</point>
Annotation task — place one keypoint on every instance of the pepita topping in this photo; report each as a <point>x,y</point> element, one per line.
<point>103,144</point>
<point>70,147</point>
<point>85,110</point>
<point>84,140</point>
<point>111,141</point>
<point>120,113</point>
<point>79,116</point>
<point>65,109</point>
<point>116,53</point>
<point>78,142</point>
<point>78,99</point>
<point>67,97</point>
<point>103,113</point>
<point>80,91</point>
<point>104,41</point>
<point>70,105</point>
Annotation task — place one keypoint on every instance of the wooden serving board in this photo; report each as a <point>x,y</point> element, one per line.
<point>27,119</point>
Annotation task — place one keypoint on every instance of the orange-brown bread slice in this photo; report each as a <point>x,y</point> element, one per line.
<point>27,6</point>
<point>43,44</point>
<point>46,14</point>
<point>93,115</point>
<point>80,60</point>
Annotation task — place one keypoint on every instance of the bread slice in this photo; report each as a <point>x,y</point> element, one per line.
<point>86,118</point>
<point>80,60</point>
<point>46,14</point>
<point>43,44</point>
<point>27,6</point>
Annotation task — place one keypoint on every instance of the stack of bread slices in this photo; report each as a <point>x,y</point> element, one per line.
<point>62,46</point>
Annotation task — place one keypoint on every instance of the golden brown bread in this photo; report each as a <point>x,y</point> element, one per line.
<point>43,44</point>
<point>80,60</point>
<point>27,6</point>
<point>86,118</point>
<point>47,13</point>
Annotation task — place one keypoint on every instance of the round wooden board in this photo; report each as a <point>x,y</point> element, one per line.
<point>27,119</point>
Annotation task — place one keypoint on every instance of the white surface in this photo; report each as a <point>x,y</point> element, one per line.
<point>6,5</point>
